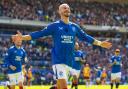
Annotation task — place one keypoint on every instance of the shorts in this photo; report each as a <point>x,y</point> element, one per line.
<point>15,78</point>
<point>62,71</point>
<point>76,72</point>
<point>115,76</point>
<point>75,84</point>
<point>103,78</point>
<point>86,77</point>
<point>98,79</point>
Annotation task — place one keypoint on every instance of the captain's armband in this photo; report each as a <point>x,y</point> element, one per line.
<point>97,42</point>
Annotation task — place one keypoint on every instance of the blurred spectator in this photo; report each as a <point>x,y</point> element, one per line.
<point>92,13</point>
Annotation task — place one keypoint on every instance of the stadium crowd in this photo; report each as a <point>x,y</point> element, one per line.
<point>92,13</point>
<point>39,56</point>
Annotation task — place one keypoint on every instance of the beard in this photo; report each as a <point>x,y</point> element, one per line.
<point>19,44</point>
<point>66,14</point>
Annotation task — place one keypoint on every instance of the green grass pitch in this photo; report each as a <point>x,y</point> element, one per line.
<point>80,87</point>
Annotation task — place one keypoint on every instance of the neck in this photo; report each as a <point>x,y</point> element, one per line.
<point>116,54</point>
<point>17,46</point>
<point>65,19</point>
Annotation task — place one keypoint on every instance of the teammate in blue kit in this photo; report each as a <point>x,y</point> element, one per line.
<point>116,69</point>
<point>4,68</point>
<point>14,58</point>
<point>63,33</point>
<point>76,65</point>
<point>98,75</point>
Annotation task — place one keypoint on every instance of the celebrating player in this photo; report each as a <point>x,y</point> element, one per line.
<point>98,75</point>
<point>63,33</point>
<point>14,58</point>
<point>116,69</point>
<point>76,65</point>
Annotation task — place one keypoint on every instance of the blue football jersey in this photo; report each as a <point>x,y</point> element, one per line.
<point>98,74</point>
<point>64,39</point>
<point>15,56</point>
<point>116,67</point>
<point>76,63</point>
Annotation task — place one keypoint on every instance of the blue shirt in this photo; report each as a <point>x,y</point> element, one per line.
<point>76,63</point>
<point>64,39</point>
<point>116,67</point>
<point>98,74</point>
<point>15,56</point>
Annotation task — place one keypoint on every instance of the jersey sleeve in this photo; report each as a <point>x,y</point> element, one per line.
<point>111,60</point>
<point>44,32</point>
<point>83,36</point>
<point>24,58</point>
<point>7,59</point>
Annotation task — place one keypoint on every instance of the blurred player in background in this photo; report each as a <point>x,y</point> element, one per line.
<point>63,33</point>
<point>4,68</point>
<point>116,69</point>
<point>24,71</point>
<point>103,76</point>
<point>98,75</point>
<point>87,74</point>
<point>14,58</point>
<point>7,83</point>
<point>29,76</point>
<point>76,65</point>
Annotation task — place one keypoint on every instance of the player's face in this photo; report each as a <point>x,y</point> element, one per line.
<point>87,65</point>
<point>64,10</point>
<point>117,53</point>
<point>18,42</point>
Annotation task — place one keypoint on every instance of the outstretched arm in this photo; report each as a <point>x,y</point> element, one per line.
<point>20,36</point>
<point>35,35</point>
<point>85,37</point>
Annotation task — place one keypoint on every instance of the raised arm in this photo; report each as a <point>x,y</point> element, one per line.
<point>35,35</point>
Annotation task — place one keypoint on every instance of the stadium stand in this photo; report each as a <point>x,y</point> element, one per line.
<point>93,13</point>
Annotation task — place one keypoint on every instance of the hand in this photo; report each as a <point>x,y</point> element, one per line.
<point>106,44</point>
<point>115,62</point>
<point>26,60</point>
<point>82,61</point>
<point>18,36</point>
<point>12,67</point>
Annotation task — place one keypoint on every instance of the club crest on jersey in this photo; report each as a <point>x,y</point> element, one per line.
<point>15,51</point>
<point>21,53</point>
<point>73,29</point>
<point>18,58</point>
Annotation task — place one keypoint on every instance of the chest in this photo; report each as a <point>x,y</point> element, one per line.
<point>18,55</point>
<point>117,59</point>
<point>65,30</point>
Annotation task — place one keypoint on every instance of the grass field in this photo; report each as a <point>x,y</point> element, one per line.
<point>80,87</point>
